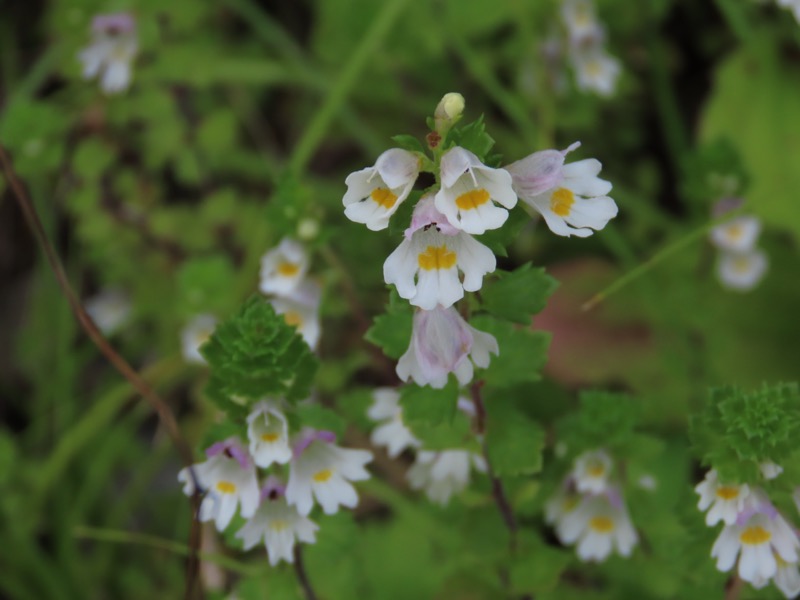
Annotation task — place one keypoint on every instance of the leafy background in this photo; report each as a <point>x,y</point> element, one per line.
<point>244,118</point>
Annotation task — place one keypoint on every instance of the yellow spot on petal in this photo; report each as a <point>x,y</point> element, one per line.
<point>322,476</point>
<point>269,437</point>
<point>226,487</point>
<point>755,535</point>
<point>293,318</point>
<point>596,470</point>
<point>602,524</point>
<point>472,199</point>
<point>727,492</point>
<point>288,269</point>
<point>436,257</point>
<point>735,231</point>
<point>741,265</point>
<point>278,525</point>
<point>594,68</point>
<point>383,197</point>
<point>561,202</point>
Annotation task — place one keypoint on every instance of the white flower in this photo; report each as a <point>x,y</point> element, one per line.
<point>425,268</point>
<point>300,309</point>
<point>793,5</point>
<point>111,52</point>
<point>596,71</point>
<point>268,433</point>
<point>469,190</point>
<point>324,471</point>
<point>109,309</point>
<point>580,19</point>
<point>560,506</point>
<point>728,500</point>
<point>742,272</point>
<point>375,193</point>
<point>442,343</point>
<point>760,539</point>
<point>770,470</point>
<point>229,479</point>
<point>194,335</point>
<point>444,473</point>
<point>738,235</point>
<point>392,432</point>
<point>283,268</point>
<point>278,525</point>
<point>571,198</point>
<point>787,578</point>
<point>647,482</point>
<point>598,525</point>
<point>591,472</point>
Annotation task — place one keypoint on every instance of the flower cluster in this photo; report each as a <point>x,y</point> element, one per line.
<point>595,69</point>
<point>276,512</point>
<point>111,53</point>
<point>754,532</point>
<point>589,510</point>
<point>439,473</point>
<point>741,264</point>
<point>291,293</point>
<point>440,258</point>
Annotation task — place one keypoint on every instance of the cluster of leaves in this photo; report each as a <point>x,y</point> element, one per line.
<point>739,429</point>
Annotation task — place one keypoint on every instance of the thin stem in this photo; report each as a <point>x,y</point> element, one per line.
<point>318,126</point>
<point>498,492</point>
<point>733,588</point>
<point>165,416</point>
<point>302,576</point>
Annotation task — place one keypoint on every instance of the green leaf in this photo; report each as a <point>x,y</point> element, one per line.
<point>522,352</point>
<point>256,354</point>
<point>604,420</point>
<point>427,405</point>
<point>473,137</point>
<point>514,441</point>
<point>408,142</point>
<point>518,295</point>
<point>499,239</point>
<point>392,330</point>
<point>320,417</point>
<point>537,567</point>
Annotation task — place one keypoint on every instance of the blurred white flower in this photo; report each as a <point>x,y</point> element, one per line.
<point>591,471</point>
<point>742,272</point>
<point>194,335</point>
<point>596,71</point>
<point>391,432</point>
<point>109,309</point>
<point>770,470</point>
<point>738,235</point>
<point>444,473</point>
<point>283,268</point>
<point>300,309</point>
<point>726,500</point>
<point>111,53</point>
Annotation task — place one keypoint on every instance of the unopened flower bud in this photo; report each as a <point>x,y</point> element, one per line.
<point>449,110</point>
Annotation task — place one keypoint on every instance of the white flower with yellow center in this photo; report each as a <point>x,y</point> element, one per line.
<point>444,473</point>
<point>596,71</point>
<point>469,192</point>
<point>599,525</point>
<point>111,53</point>
<point>570,197</point>
<point>109,310</point>
<point>726,500</point>
<point>425,268</point>
<point>443,343</point>
<point>737,235</point>
<point>194,335</point>
<point>591,471</point>
<point>787,578</point>
<point>229,479</point>
<point>560,506</point>
<point>300,309</point>
<point>742,272</point>
<point>757,541</point>
<point>392,432</point>
<point>278,525</point>
<point>374,194</point>
<point>283,268</point>
<point>324,471</point>
<point>268,433</point>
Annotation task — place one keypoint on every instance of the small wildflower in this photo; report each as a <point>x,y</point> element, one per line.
<point>442,343</point>
<point>571,198</point>
<point>469,192</point>
<point>322,470</point>
<point>591,472</point>
<point>770,470</point>
<point>374,194</point>
<point>283,268</point>
<point>111,53</point>
<point>278,525</point>
<point>300,309</point>
<point>787,577</point>
<point>596,71</point>
<point>194,335</point>
<point>742,272</point>
<point>109,310</point>
<point>392,432</point>
<point>268,433</point>
<point>444,473</point>
<point>726,500</point>
<point>580,20</point>
<point>738,235</point>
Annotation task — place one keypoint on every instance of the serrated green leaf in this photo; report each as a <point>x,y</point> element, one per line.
<point>514,441</point>
<point>472,137</point>
<point>392,331</point>
<point>518,295</point>
<point>427,405</point>
<point>408,142</point>
<point>537,567</point>
<point>522,352</point>
<point>604,420</point>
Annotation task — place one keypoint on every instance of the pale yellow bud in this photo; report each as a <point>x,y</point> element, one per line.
<point>307,229</point>
<point>450,106</point>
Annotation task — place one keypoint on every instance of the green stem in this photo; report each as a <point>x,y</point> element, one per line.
<point>318,126</point>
